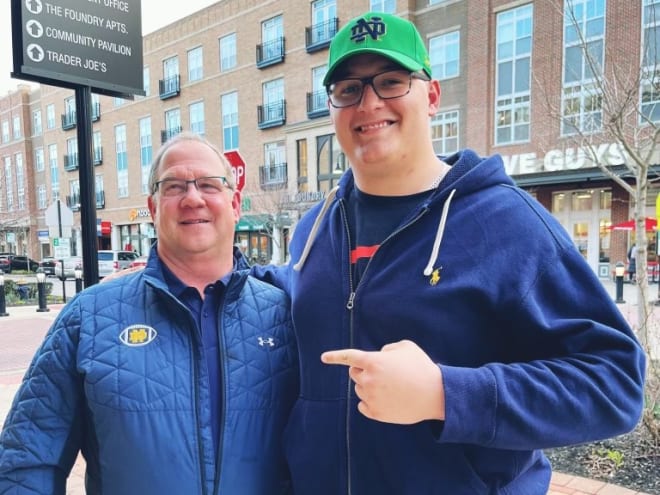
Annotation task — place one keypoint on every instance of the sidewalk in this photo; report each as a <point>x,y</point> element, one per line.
<point>562,484</point>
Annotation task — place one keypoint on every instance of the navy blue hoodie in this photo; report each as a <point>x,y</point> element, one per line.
<point>533,352</point>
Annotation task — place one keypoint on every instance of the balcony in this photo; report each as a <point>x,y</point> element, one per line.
<point>68,121</point>
<point>168,134</point>
<point>317,104</point>
<point>97,156</point>
<point>100,200</point>
<point>71,162</point>
<point>170,87</point>
<point>73,202</point>
<point>318,36</point>
<point>273,176</point>
<point>270,53</point>
<point>96,112</point>
<point>271,115</point>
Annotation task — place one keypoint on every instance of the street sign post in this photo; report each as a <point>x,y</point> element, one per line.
<point>238,167</point>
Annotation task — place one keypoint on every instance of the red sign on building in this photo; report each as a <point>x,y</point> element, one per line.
<point>238,167</point>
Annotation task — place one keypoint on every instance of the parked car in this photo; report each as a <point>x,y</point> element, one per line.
<point>48,265</point>
<point>139,261</point>
<point>111,261</point>
<point>70,265</point>
<point>5,264</point>
<point>20,262</point>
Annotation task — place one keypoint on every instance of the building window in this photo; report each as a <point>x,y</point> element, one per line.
<point>329,162</point>
<point>42,198</point>
<point>146,153</point>
<point>97,148</point>
<point>146,81</point>
<point>445,54</point>
<point>324,24</point>
<point>39,162</point>
<point>50,116</point>
<point>37,128</point>
<point>228,52</point>
<point>71,157</point>
<point>9,184</point>
<point>271,49</point>
<point>650,91</point>
<point>5,131</point>
<point>17,127</point>
<point>20,180</point>
<point>274,170</point>
<point>196,114</point>
<point>273,111</point>
<point>172,124</point>
<point>121,157</point>
<point>301,148</point>
<point>54,172</point>
<point>229,107</point>
<point>195,64</point>
<point>584,49</point>
<point>444,132</point>
<point>513,60</point>
<point>387,6</point>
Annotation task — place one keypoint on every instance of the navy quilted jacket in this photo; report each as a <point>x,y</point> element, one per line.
<point>121,376</point>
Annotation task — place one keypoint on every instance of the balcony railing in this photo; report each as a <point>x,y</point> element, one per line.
<point>97,155</point>
<point>318,36</point>
<point>168,134</point>
<point>271,115</point>
<point>170,87</point>
<point>73,202</point>
<point>273,176</point>
<point>68,121</point>
<point>317,104</point>
<point>270,53</point>
<point>71,162</point>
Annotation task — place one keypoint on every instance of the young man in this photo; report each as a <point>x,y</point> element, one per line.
<point>177,379</point>
<point>456,369</point>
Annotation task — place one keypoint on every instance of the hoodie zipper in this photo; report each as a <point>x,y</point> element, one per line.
<point>350,305</point>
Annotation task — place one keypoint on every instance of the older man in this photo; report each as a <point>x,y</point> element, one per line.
<point>176,379</point>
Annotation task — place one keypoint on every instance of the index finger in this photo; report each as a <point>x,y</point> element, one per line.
<point>347,357</point>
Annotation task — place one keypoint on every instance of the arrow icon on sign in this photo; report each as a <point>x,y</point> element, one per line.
<point>35,52</point>
<point>35,29</point>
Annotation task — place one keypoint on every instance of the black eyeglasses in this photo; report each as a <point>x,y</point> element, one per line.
<point>172,187</point>
<point>387,85</point>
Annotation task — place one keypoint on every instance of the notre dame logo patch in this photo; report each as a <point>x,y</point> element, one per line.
<point>137,335</point>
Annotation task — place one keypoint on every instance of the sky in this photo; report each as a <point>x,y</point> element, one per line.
<point>155,14</point>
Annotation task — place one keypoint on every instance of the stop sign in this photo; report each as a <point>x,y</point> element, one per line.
<point>238,167</point>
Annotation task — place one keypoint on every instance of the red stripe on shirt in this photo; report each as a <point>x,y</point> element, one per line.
<point>363,252</point>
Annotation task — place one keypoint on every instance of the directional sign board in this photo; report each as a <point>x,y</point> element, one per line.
<point>95,43</point>
<point>238,167</point>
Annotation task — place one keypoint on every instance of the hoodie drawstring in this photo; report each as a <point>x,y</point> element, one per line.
<point>438,235</point>
<point>312,234</point>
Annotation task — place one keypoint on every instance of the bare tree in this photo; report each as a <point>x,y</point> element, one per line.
<point>617,103</point>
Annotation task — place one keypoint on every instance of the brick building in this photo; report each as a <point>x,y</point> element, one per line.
<point>247,74</point>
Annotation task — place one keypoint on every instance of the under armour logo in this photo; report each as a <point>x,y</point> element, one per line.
<point>374,28</point>
<point>270,342</point>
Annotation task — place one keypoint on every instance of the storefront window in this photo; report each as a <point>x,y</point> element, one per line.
<point>558,202</point>
<point>581,237</point>
<point>581,200</point>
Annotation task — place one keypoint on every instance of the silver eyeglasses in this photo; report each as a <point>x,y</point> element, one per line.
<point>172,187</point>
<point>387,85</point>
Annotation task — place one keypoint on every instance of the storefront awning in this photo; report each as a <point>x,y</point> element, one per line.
<point>253,222</point>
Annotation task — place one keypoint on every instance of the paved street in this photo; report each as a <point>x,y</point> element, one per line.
<point>22,331</point>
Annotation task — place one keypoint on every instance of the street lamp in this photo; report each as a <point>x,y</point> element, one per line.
<point>41,290</point>
<point>619,272</point>
<point>77,273</point>
<point>3,302</point>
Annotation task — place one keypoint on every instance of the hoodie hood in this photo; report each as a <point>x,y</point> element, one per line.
<point>468,174</point>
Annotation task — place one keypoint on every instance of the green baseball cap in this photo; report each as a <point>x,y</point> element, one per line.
<point>383,34</point>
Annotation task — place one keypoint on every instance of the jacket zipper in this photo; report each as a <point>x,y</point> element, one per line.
<point>221,341</point>
<point>350,305</point>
